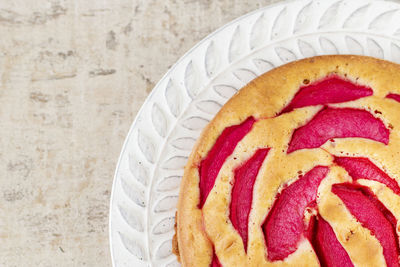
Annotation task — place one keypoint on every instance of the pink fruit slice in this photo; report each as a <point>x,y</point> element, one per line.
<point>223,148</point>
<point>373,215</point>
<point>215,261</point>
<point>284,224</point>
<point>332,89</point>
<point>394,96</point>
<point>338,123</point>
<point>363,168</point>
<point>328,249</point>
<point>242,193</point>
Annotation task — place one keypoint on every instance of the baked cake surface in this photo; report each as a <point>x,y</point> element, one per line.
<point>299,168</point>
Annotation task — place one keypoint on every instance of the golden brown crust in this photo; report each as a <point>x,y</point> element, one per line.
<point>198,231</point>
<point>175,247</point>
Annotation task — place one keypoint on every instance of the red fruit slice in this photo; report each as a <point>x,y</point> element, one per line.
<point>332,89</point>
<point>373,215</point>
<point>223,148</point>
<point>328,249</point>
<point>310,231</point>
<point>394,96</point>
<point>242,193</point>
<point>215,261</point>
<point>284,224</point>
<point>363,168</point>
<point>338,123</point>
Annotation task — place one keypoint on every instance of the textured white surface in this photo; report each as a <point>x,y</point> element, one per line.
<point>151,164</point>
<point>73,75</point>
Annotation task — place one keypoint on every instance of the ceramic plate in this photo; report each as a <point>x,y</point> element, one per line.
<point>147,177</point>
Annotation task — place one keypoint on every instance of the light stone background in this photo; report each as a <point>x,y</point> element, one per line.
<point>73,75</point>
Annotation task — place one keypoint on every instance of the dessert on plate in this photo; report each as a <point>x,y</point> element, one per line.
<point>299,168</point>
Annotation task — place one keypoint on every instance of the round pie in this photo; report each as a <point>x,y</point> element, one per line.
<point>299,168</point>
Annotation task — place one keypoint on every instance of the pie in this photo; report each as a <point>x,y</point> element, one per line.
<point>299,168</point>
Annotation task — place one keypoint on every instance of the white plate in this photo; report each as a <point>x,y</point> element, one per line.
<point>146,183</point>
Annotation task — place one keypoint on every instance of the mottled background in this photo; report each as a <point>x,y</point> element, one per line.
<point>73,75</point>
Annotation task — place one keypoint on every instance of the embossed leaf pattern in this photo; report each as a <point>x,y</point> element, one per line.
<point>280,24</point>
<point>147,146</point>
<point>328,47</point>
<point>303,19</point>
<point>381,22</point>
<point>263,65</point>
<point>212,60</point>
<point>374,49</point>
<point>225,91</point>
<point>174,98</point>
<point>285,54</point>
<point>395,49</point>
<point>209,106</point>
<point>164,226</point>
<point>175,163</point>
<point>329,18</point>
<point>183,143</point>
<point>244,75</point>
<point>141,159</point>
<point>134,193</point>
<point>195,123</point>
<point>192,80</point>
<point>259,32</point>
<point>237,46</point>
<point>306,49</point>
<point>166,204</point>
<point>356,18</point>
<point>354,46</point>
<point>169,183</point>
<point>138,170</point>
<point>164,250</point>
<point>133,246</point>
<point>159,120</point>
<point>133,218</point>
